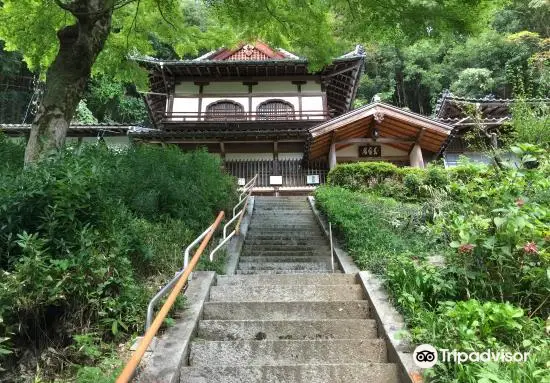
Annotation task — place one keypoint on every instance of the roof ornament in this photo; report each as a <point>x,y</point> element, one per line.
<point>376,98</point>
<point>379,117</point>
<point>359,50</point>
<point>248,50</point>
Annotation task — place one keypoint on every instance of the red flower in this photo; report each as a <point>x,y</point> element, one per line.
<point>520,202</point>
<point>530,248</point>
<point>466,248</point>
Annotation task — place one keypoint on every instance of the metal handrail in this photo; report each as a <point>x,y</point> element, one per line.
<point>236,217</point>
<point>134,361</point>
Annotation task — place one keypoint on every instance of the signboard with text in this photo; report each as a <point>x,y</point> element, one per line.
<point>370,151</point>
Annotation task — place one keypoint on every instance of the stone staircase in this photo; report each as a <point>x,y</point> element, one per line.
<point>284,237</point>
<point>287,317</point>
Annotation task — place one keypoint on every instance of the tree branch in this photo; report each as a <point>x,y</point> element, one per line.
<point>162,15</point>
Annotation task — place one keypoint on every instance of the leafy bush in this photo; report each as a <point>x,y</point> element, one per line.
<point>81,247</point>
<point>12,153</point>
<point>478,326</point>
<point>490,227</point>
<point>375,228</point>
<point>361,174</point>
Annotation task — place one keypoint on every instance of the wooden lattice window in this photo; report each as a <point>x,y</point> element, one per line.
<point>224,110</point>
<point>275,110</point>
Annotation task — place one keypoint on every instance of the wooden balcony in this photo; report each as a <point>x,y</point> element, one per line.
<point>193,117</point>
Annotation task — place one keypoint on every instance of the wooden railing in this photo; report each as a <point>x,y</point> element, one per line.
<point>305,115</point>
<point>294,173</point>
<point>130,368</point>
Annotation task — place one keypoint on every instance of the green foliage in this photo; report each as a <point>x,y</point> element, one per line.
<point>83,114</point>
<point>187,186</point>
<point>488,286</point>
<point>87,237</point>
<point>413,184</point>
<point>112,101</point>
<point>477,326</point>
<point>473,82</point>
<point>531,123</point>
<point>375,228</point>
<point>11,154</point>
<point>361,174</point>
<point>30,28</point>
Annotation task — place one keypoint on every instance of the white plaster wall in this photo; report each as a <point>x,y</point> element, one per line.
<point>188,106</point>
<point>248,156</point>
<point>313,105</point>
<point>275,87</point>
<point>353,151</point>
<point>231,88</point>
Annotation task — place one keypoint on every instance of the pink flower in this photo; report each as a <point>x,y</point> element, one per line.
<point>466,248</point>
<point>530,248</point>
<point>520,202</point>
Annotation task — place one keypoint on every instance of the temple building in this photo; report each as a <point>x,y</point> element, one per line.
<point>264,112</point>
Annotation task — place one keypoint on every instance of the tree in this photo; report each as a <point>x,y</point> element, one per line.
<point>68,39</point>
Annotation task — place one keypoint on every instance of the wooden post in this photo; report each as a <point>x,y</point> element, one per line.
<point>415,157</point>
<point>332,156</point>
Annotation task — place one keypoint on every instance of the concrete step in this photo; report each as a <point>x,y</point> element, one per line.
<point>295,373</point>
<point>286,293</point>
<point>310,279</point>
<point>297,266</point>
<point>276,352</point>
<point>248,253</point>
<point>286,237</point>
<point>286,258</point>
<point>286,228</point>
<point>258,234</point>
<point>260,246</point>
<point>289,223</point>
<point>279,272</point>
<point>286,310</point>
<point>295,330</point>
<point>275,243</point>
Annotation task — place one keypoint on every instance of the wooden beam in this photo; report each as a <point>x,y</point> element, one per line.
<point>376,141</point>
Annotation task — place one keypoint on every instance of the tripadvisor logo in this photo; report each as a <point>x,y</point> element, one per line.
<point>426,356</point>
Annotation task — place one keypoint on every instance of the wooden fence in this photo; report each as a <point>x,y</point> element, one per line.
<point>293,173</point>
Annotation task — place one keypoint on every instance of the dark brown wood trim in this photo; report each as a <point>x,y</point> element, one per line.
<point>225,95</point>
<point>247,78</point>
<point>201,89</point>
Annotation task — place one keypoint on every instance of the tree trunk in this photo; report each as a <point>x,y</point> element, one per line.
<point>79,46</point>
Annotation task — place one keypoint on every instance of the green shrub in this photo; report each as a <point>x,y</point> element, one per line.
<point>478,326</point>
<point>375,228</point>
<point>361,174</point>
<point>12,153</point>
<point>87,236</point>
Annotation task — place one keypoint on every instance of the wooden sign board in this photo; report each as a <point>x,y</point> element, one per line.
<point>370,151</point>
